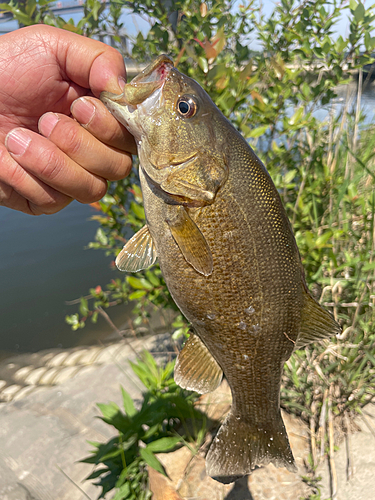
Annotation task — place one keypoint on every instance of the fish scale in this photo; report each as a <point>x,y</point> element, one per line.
<point>228,256</point>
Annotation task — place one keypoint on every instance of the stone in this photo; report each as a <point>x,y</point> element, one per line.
<point>74,358</point>
<point>22,373</point>
<point>65,374</point>
<point>35,375</point>
<point>58,359</point>
<point>49,376</point>
<point>9,392</point>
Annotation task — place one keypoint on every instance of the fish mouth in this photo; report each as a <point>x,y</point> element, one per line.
<point>143,85</point>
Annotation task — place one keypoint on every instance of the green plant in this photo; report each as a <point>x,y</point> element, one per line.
<point>164,420</point>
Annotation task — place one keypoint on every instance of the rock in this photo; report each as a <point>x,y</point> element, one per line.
<point>161,486</point>
<point>9,392</point>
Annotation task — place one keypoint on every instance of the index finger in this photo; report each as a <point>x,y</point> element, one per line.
<point>95,117</point>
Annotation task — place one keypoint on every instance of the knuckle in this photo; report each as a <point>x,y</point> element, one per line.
<point>51,204</point>
<point>96,190</point>
<point>120,167</point>
<point>13,174</point>
<point>51,164</point>
<point>69,139</point>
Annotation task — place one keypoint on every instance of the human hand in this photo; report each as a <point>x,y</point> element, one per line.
<point>43,70</point>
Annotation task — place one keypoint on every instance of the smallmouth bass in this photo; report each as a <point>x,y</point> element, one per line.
<point>228,255</point>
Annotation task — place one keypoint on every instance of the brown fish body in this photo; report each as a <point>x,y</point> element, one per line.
<point>238,279</point>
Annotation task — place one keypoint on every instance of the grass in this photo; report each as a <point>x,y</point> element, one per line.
<point>329,384</point>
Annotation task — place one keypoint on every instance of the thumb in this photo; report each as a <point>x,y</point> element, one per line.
<point>88,63</point>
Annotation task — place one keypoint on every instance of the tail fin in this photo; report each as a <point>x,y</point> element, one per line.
<point>239,447</point>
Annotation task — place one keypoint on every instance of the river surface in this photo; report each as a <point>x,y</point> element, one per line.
<point>44,263</point>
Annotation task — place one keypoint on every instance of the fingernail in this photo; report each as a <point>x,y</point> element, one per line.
<point>121,82</point>
<point>47,123</point>
<point>17,141</point>
<point>83,110</point>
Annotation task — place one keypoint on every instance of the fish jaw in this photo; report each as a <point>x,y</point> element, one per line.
<point>129,115</point>
<point>139,97</point>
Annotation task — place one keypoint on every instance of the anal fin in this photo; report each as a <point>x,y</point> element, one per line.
<point>190,240</point>
<point>196,369</point>
<point>138,253</point>
<point>317,323</point>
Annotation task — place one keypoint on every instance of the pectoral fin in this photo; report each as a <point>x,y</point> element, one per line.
<point>138,253</point>
<point>196,369</point>
<point>190,241</point>
<point>317,323</point>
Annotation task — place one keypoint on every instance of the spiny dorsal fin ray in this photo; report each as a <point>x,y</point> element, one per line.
<point>317,323</point>
<point>190,241</point>
<point>138,253</point>
<point>196,369</point>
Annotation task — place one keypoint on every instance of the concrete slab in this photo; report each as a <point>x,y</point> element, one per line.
<point>46,431</point>
<point>361,486</point>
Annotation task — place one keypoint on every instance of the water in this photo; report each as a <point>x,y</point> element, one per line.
<point>43,263</point>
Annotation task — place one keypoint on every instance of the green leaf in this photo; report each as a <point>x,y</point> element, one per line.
<point>30,7</point>
<point>139,283</point>
<point>370,357</point>
<point>163,445</point>
<point>153,279</point>
<point>108,410</point>
<point>289,176</point>
<point>22,17</point>
<point>138,210</point>
<point>369,42</point>
<point>101,236</point>
<point>297,116</point>
<point>203,64</point>
<point>123,492</point>
<point>359,12</point>
<point>137,295</point>
<point>322,239</point>
<point>152,461</point>
<point>128,403</point>
<point>257,132</point>
<point>84,307</point>
<point>368,267</point>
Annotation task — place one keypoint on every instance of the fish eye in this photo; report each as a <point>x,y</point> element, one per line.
<point>187,106</point>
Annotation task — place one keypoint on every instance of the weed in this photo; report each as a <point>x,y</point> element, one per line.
<point>165,420</point>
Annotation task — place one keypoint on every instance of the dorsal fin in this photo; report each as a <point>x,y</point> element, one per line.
<point>317,323</point>
<point>190,240</point>
<point>196,369</point>
<point>138,253</point>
